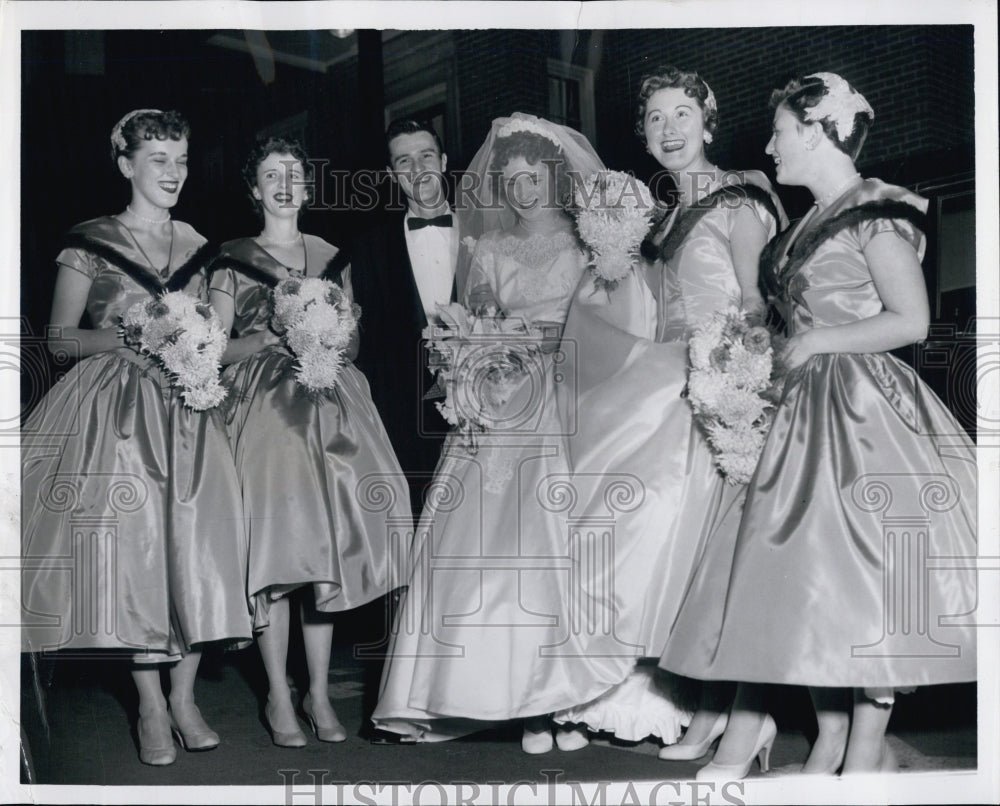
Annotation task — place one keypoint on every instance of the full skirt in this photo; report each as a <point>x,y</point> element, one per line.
<point>325,501</point>
<point>489,629</point>
<point>854,562</point>
<point>133,534</point>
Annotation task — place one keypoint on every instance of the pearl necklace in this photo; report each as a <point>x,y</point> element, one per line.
<point>833,194</point>
<point>145,220</point>
<point>281,243</point>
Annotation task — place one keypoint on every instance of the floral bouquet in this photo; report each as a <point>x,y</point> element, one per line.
<point>613,212</point>
<point>186,337</point>
<point>479,362</point>
<point>316,320</point>
<point>734,387</point>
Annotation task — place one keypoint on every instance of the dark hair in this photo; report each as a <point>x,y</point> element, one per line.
<point>263,147</point>
<point>800,95</point>
<point>149,125</point>
<point>409,126</point>
<point>670,77</point>
<point>535,149</point>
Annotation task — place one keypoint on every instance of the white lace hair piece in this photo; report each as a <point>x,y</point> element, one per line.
<point>840,104</point>
<point>117,138</point>
<point>522,125</point>
<point>710,103</point>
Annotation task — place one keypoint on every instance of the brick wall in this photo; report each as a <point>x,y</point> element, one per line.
<point>918,79</point>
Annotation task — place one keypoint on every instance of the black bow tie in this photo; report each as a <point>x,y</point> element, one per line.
<point>440,221</point>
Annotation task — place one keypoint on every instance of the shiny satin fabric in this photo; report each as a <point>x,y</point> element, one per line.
<point>132,526</point>
<point>486,631</point>
<point>865,478</point>
<point>323,495</point>
<point>633,421</point>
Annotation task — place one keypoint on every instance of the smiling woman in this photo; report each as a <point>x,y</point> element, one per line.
<point>159,472</point>
<point>302,458</point>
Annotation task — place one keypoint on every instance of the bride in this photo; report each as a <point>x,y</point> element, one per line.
<point>484,632</point>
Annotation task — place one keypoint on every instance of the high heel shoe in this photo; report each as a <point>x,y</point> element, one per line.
<point>691,751</point>
<point>569,739</point>
<point>156,746</point>
<point>283,738</point>
<point>334,734</point>
<point>201,738</point>
<point>735,772</point>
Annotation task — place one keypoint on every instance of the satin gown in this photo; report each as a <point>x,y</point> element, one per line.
<point>486,631</point>
<point>852,565</point>
<point>635,430</point>
<point>133,535</point>
<point>324,498</point>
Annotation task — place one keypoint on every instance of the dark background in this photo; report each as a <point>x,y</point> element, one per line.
<point>337,93</point>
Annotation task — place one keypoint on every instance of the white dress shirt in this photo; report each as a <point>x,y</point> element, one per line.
<point>433,252</point>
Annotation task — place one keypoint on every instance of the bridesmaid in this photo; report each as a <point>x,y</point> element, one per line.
<point>303,461</point>
<point>631,350</point>
<point>119,475</point>
<point>806,601</point>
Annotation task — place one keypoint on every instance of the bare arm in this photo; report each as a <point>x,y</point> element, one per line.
<point>69,301</point>
<point>746,242</point>
<point>354,345</point>
<point>238,349</point>
<point>899,281</point>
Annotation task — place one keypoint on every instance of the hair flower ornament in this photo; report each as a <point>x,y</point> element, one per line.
<point>840,104</point>
<point>117,138</point>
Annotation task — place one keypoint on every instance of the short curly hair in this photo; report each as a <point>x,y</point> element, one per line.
<point>799,95</point>
<point>534,149</point>
<point>670,77</point>
<point>263,147</point>
<point>150,125</point>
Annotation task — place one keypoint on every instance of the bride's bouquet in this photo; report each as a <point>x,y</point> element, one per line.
<point>734,387</point>
<point>186,338</point>
<point>613,212</point>
<point>316,320</point>
<point>479,361</point>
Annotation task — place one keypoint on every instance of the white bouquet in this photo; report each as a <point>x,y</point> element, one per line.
<point>186,337</point>
<point>479,362</point>
<point>316,320</point>
<point>734,387</point>
<point>613,212</point>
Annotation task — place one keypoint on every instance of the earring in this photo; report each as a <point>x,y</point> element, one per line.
<point>708,137</point>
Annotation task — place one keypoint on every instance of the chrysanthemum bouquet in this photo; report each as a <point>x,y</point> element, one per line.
<point>187,339</point>
<point>613,212</point>
<point>315,319</point>
<point>479,361</point>
<point>734,386</point>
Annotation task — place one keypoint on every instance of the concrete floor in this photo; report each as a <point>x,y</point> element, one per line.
<point>85,734</point>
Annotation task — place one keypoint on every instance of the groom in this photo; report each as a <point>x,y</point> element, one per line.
<point>399,273</point>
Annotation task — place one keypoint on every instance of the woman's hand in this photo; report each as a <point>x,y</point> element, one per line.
<point>267,338</point>
<point>799,349</point>
<point>481,297</point>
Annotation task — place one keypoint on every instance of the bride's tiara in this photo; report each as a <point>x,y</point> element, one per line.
<point>521,125</point>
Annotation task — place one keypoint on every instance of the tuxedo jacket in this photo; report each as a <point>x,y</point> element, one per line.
<point>392,353</point>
